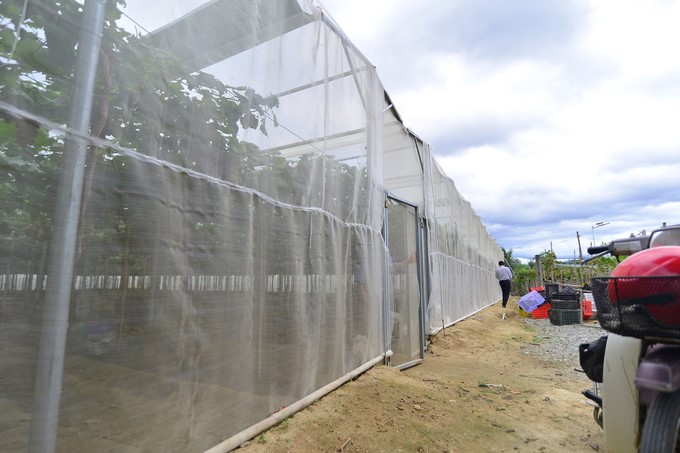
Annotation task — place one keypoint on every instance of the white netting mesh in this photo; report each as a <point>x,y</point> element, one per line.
<point>209,211</point>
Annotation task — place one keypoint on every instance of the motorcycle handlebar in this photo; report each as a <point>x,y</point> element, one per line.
<point>619,247</point>
<point>597,249</point>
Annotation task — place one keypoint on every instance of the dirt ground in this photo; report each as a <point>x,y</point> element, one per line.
<point>477,390</point>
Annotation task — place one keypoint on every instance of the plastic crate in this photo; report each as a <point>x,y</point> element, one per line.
<point>562,304</point>
<point>98,344</point>
<point>541,312</point>
<point>564,317</point>
<point>97,347</point>
<point>524,314</point>
<point>654,312</point>
<point>587,309</point>
<point>530,301</point>
<point>566,295</point>
<point>550,289</point>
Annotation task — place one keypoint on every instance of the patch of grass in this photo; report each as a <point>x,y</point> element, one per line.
<point>262,439</point>
<point>539,340</point>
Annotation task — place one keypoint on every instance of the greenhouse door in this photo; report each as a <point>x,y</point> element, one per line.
<point>404,310</point>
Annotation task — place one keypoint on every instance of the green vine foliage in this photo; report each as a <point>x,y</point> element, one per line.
<point>146,102</point>
<point>573,274</point>
<point>525,279</point>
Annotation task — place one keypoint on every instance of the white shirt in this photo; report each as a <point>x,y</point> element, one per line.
<point>503,273</point>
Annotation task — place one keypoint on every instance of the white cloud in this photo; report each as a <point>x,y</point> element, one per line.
<point>549,116</point>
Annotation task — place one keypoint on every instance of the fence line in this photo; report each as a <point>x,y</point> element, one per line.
<point>278,283</point>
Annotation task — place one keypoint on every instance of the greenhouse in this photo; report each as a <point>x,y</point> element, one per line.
<point>212,214</point>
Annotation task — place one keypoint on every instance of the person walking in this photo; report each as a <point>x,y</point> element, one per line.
<point>504,276</point>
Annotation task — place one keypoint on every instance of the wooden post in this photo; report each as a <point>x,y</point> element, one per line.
<point>580,260</point>
<point>539,270</point>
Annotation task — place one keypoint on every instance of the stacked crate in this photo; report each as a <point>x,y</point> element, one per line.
<point>565,308</point>
<point>549,290</point>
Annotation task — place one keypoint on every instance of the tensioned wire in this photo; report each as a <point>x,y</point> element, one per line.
<point>106,144</point>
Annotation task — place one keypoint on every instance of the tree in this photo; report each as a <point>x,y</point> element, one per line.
<point>510,261</point>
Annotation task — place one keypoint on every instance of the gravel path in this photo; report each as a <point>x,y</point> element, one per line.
<point>560,343</point>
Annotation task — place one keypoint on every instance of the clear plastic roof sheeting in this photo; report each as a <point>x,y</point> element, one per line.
<point>210,214</point>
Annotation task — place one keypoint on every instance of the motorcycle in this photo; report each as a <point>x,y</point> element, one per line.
<point>635,368</point>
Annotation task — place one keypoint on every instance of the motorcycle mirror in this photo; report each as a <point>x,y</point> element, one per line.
<point>665,236</point>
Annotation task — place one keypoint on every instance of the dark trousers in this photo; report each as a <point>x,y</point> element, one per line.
<point>505,288</point>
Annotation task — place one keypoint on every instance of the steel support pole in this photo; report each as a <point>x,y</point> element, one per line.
<point>51,353</point>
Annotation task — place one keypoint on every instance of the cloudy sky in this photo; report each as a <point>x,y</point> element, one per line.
<point>549,115</point>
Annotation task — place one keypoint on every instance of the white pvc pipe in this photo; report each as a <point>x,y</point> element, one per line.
<point>277,417</point>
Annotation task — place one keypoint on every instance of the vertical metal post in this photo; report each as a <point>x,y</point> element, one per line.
<point>387,286</point>
<point>422,269</point>
<point>50,366</point>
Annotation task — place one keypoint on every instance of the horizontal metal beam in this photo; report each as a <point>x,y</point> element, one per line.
<point>223,28</point>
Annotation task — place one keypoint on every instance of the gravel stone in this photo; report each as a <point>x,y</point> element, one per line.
<point>560,343</point>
